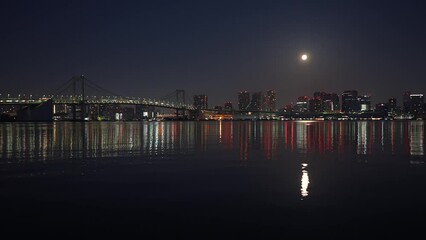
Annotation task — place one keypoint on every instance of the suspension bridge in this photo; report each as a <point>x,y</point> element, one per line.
<point>79,96</point>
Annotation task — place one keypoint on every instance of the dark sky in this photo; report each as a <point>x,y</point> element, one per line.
<point>150,48</point>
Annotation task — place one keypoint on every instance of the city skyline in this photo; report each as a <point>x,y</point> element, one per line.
<point>216,48</point>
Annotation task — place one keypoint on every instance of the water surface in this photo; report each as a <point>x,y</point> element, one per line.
<point>214,178</point>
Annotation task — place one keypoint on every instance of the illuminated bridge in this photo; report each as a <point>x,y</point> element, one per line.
<point>96,100</point>
<point>70,99</point>
<point>79,94</point>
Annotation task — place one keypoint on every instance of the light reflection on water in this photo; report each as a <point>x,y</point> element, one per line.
<point>64,140</point>
<point>304,182</point>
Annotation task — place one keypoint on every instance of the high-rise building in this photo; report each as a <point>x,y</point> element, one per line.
<point>269,101</point>
<point>228,105</point>
<point>392,105</point>
<point>417,104</point>
<point>201,101</point>
<point>288,108</point>
<point>350,101</point>
<point>364,103</point>
<point>382,108</point>
<point>243,100</point>
<point>335,101</point>
<point>256,101</point>
<point>328,106</point>
<point>315,105</point>
<point>302,105</point>
<point>328,102</point>
<point>406,102</point>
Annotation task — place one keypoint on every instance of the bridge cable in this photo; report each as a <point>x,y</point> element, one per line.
<point>101,88</point>
<point>64,86</point>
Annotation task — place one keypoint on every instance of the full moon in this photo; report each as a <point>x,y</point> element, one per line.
<point>304,57</point>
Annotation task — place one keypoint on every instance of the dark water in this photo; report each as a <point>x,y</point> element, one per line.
<point>223,179</point>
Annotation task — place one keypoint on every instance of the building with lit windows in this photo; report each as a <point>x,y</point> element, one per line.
<point>350,101</point>
<point>256,101</point>
<point>392,105</point>
<point>302,105</point>
<point>243,100</point>
<point>364,103</point>
<point>201,101</point>
<point>416,104</point>
<point>406,102</point>
<point>228,105</point>
<point>325,102</point>
<point>269,102</point>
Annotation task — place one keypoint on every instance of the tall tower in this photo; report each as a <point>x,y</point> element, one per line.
<point>392,105</point>
<point>243,100</point>
<point>417,104</point>
<point>270,101</point>
<point>350,101</point>
<point>256,101</point>
<point>201,101</point>
<point>406,102</point>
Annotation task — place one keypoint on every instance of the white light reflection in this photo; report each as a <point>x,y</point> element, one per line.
<point>304,181</point>
<point>416,138</point>
<point>220,130</point>
<point>302,137</point>
<point>362,138</point>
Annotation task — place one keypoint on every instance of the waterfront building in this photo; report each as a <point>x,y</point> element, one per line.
<point>406,105</point>
<point>243,100</point>
<point>365,103</point>
<point>315,105</point>
<point>392,105</point>
<point>350,101</point>
<point>416,104</point>
<point>325,102</point>
<point>302,105</point>
<point>270,100</point>
<point>228,105</point>
<point>256,101</point>
<point>201,101</point>
<point>382,108</point>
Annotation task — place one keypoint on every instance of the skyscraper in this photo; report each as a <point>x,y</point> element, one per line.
<point>201,101</point>
<point>335,101</point>
<point>301,104</point>
<point>365,103</point>
<point>256,101</point>
<point>325,102</point>
<point>406,102</point>
<point>392,105</point>
<point>417,104</point>
<point>243,100</point>
<point>350,101</point>
<point>315,105</point>
<point>270,100</point>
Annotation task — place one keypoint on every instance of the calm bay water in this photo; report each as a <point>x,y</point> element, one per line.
<point>64,140</point>
<point>214,179</point>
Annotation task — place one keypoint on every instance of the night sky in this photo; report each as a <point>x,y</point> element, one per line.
<point>150,48</point>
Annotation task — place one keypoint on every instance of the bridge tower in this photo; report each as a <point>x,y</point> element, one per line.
<point>81,100</point>
<point>180,98</point>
